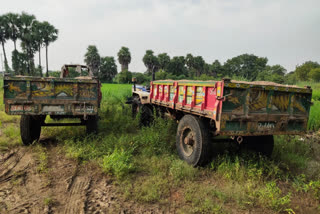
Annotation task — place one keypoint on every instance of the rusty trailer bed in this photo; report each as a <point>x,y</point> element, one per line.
<point>238,108</point>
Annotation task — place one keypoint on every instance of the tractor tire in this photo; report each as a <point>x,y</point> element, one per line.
<point>30,129</point>
<point>146,115</point>
<point>263,145</point>
<point>92,125</point>
<point>192,140</point>
<point>145,112</point>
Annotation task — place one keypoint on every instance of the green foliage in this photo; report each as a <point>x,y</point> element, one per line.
<point>124,76</point>
<point>292,153</point>
<point>124,58</point>
<point>314,117</point>
<point>177,66</point>
<point>204,199</point>
<point>302,71</point>
<point>314,74</point>
<point>119,162</point>
<point>33,35</point>
<point>302,185</point>
<point>164,60</point>
<point>19,62</point>
<point>216,69</point>
<point>272,197</point>
<point>42,158</point>
<point>151,62</point>
<point>92,59</point>
<point>108,69</point>
<point>180,170</point>
<point>246,66</point>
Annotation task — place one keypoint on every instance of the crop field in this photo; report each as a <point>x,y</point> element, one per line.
<point>136,169</point>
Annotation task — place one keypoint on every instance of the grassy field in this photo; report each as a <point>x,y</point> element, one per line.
<point>146,168</point>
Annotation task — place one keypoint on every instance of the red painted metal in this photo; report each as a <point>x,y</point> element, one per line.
<point>200,98</point>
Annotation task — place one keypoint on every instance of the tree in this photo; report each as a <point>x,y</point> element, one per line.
<point>49,35</point>
<point>124,76</point>
<point>276,69</point>
<point>4,36</point>
<point>151,62</point>
<point>195,64</point>
<point>27,38</point>
<point>20,62</point>
<point>141,78</point>
<point>177,66</point>
<point>314,75</point>
<point>38,31</point>
<point>189,61</point>
<point>164,60</point>
<point>14,22</point>
<point>246,66</point>
<point>216,69</point>
<point>303,70</point>
<point>124,58</point>
<point>199,64</point>
<point>92,59</point>
<point>108,68</point>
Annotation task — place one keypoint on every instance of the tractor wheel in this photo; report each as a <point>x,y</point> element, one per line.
<point>260,144</point>
<point>30,129</point>
<point>145,111</point>
<point>92,125</point>
<point>192,140</point>
<point>146,115</point>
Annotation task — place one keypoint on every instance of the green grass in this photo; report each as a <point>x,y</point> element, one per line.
<point>146,167</point>
<point>314,117</point>
<point>315,89</point>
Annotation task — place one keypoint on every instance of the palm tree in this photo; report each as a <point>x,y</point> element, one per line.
<point>92,59</point>
<point>38,31</point>
<point>27,37</point>
<point>14,22</point>
<point>4,36</point>
<point>124,58</point>
<point>151,62</point>
<point>50,34</point>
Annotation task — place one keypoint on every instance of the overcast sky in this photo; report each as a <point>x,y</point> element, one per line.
<point>287,32</point>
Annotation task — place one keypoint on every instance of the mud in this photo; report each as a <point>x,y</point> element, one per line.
<point>65,187</point>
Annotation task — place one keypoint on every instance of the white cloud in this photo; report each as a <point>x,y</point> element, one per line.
<point>284,31</point>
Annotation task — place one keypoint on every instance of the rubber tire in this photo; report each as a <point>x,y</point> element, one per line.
<point>146,113</point>
<point>30,129</point>
<point>92,125</point>
<point>200,154</point>
<point>263,145</point>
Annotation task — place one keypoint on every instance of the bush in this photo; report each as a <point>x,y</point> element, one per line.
<point>119,163</point>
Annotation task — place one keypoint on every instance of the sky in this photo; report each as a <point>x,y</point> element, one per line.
<point>287,32</point>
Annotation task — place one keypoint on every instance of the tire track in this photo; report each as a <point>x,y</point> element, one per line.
<point>9,163</point>
<point>77,191</point>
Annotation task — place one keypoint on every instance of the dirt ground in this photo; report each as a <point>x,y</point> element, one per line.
<point>66,187</point>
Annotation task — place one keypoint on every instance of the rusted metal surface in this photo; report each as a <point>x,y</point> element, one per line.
<point>51,96</point>
<point>237,107</point>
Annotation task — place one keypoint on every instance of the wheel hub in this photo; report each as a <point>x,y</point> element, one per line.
<point>188,142</point>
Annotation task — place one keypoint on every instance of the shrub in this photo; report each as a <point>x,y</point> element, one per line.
<point>119,163</point>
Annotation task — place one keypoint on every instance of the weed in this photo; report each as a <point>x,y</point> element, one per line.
<point>119,163</point>
<point>48,201</point>
<point>42,157</point>
<point>151,189</point>
<point>292,153</point>
<point>314,117</point>
<point>180,170</point>
<point>204,199</point>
